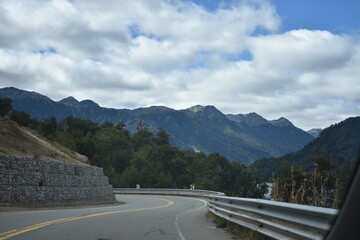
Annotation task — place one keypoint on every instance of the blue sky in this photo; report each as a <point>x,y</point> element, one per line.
<point>279,58</point>
<point>338,16</point>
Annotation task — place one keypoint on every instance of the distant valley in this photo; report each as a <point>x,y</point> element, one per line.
<point>242,137</point>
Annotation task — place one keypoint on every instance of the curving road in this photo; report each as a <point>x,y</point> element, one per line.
<point>141,217</point>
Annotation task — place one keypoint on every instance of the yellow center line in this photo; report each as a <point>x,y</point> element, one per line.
<point>16,232</point>
<point>1,234</point>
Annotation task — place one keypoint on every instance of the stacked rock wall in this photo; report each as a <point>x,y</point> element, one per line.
<point>36,182</point>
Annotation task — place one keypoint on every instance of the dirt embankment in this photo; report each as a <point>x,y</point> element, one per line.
<point>17,140</point>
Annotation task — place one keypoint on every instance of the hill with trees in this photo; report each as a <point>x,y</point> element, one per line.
<point>319,173</point>
<point>18,140</point>
<point>242,137</point>
<point>144,157</point>
<point>339,143</point>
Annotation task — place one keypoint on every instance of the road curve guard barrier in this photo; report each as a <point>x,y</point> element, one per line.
<point>166,191</point>
<point>277,220</point>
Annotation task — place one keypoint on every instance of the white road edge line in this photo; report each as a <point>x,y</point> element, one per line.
<point>180,235</point>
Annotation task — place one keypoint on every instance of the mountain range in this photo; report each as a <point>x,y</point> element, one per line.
<point>340,143</point>
<point>241,137</point>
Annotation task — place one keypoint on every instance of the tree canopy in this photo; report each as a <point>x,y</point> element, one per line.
<point>144,158</point>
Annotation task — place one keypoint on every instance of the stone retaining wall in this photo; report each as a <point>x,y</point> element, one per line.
<point>36,182</point>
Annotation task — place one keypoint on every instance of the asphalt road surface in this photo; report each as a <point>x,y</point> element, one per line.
<point>140,217</point>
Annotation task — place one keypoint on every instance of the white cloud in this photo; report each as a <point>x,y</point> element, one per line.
<point>301,50</point>
<point>176,53</point>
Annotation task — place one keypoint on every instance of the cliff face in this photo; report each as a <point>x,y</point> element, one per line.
<point>35,182</point>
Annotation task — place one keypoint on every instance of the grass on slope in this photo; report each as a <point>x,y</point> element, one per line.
<point>17,140</point>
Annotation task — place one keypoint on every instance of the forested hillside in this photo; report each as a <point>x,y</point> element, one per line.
<point>318,174</point>
<point>338,143</point>
<point>241,137</point>
<point>144,157</point>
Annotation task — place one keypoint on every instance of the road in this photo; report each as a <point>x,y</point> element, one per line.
<point>140,217</point>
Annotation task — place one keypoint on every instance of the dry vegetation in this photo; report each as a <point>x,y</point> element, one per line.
<point>20,141</point>
<point>239,232</point>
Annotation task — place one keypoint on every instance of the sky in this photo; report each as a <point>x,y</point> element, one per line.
<point>279,58</point>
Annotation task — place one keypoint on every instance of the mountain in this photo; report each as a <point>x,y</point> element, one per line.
<point>314,132</point>
<point>338,143</point>
<point>242,137</point>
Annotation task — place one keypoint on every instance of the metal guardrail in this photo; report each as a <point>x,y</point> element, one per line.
<point>277,220</point>
<point>166,191</point>
<point>274,219</point>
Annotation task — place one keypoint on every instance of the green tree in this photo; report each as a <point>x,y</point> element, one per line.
<point>295,185</point>
<point>87,146</point>
<point>149,160</point>
<point>130,177</point>
<point>288,181</point>
<point>21,118</point>
<point>25,120</point>
<point>114,148</point>
<point>343,179</point>
<point>5,106</point>
<point>66,139</point>
<point>77,127</point>
<point>49,127</point>
<point>140,126</point>
<point>162,137</point>
<point>120,126</point>
<point>319,183</point>
<point>143,136</point>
